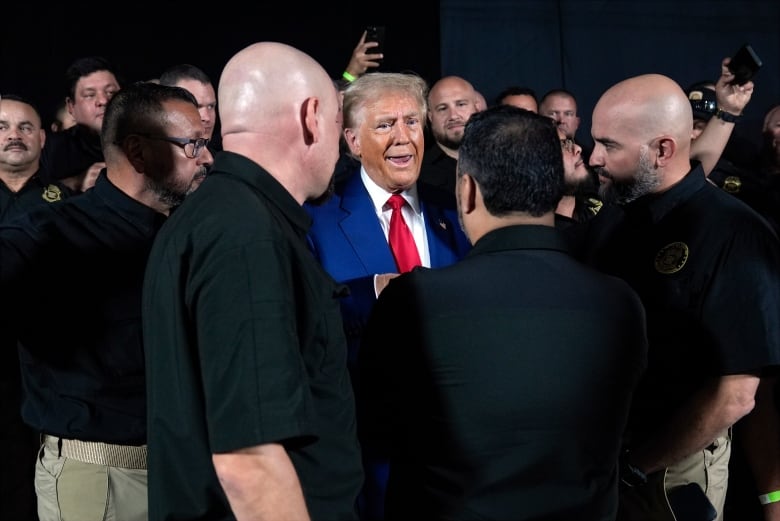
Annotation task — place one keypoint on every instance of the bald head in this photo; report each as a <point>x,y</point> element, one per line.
<point>265,81</point>
<point>641,130</point>
<point>279,108</point>
<point>649,106</point>
<point>453,87</point>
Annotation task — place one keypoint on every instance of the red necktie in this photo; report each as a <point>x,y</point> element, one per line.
<point>400,238</point>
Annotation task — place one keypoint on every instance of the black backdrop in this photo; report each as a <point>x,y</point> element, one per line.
<point>586,46</point>
<point>38,42</point>
<point>582,45</point>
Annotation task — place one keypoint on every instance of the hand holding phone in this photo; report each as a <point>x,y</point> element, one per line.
<point>376,33</point>
<point>744,65</point>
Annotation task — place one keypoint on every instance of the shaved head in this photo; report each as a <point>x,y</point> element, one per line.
<point>279,108</point>
<point>641,128</point>
<point>265,81</point>
<point>648,106</point>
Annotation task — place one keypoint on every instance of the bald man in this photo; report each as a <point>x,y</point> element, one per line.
<point>705,266</point>
<point>451,101</point>
<point>251,409</point>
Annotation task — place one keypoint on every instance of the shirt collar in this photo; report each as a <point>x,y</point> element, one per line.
<point>379,195</point>
<point>657,206</point>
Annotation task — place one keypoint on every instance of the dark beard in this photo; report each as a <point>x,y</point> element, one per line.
<point>443,140</point>
<point>644,182</point>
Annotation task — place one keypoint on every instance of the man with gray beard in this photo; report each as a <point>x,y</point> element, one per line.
<point>705,266</point>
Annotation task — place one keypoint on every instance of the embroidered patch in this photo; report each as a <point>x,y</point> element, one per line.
<point>671,258</point>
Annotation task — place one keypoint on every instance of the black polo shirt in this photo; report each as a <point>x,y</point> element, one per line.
<point>244,347</point>
<point>438,169</point>
<point>71,274</point>
<point>33,193</point>
<point>706,268</point>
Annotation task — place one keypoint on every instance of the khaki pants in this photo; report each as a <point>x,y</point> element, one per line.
<point>71,490</point>
<point>708,468</point>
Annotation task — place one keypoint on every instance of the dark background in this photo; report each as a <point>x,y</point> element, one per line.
<point>142,38</point>
<point>582,45</point>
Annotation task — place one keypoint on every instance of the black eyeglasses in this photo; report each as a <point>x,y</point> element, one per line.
<point>192,147</point>
<point>567,145</point>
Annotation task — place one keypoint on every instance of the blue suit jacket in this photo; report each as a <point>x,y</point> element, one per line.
<point>348,240</point>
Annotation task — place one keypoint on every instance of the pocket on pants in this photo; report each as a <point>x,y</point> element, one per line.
<point>82,491</point>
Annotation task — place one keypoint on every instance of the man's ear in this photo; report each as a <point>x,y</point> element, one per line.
<point>353,142</point>
<point>309,113</point>
<point>467,194</point>
<point>134,151</point>
<point>666,148</point>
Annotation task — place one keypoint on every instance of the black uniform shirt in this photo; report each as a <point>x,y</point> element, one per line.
<point>244,347</point>
<point>706,268</point>
<point>70,153</point>
<point>33,193</point>
<point>438,169</point>
<point>71,275</point>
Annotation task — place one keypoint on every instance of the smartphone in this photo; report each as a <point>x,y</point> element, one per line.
<point>376,33</point>
<point>744,65</point>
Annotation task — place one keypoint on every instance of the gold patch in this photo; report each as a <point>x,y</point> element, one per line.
<point>594,205</point>
<point>696,95</point>
<point>671,258</point>
<point>51,193</point>
<point>732,184</point>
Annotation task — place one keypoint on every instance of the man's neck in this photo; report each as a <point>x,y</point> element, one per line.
<point>15,180</point>
<point>452,152</point>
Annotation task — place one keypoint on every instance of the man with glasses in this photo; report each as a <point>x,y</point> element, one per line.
<point>199,84</point>
<point>71,274</point>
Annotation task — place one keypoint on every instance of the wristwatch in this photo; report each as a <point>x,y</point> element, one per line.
<point>728,117</point>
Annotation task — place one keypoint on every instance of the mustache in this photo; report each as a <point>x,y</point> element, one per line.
<point>600,171</point>
<point>201,173</point>
<point>15,143</point>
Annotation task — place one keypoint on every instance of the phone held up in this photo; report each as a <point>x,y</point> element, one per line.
<point>744,65</point>
<point>376,33</point>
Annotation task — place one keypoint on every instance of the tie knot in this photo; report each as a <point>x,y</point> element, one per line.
<point>396,201</point>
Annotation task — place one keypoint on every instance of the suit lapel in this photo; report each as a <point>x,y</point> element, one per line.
<point>362,230</point>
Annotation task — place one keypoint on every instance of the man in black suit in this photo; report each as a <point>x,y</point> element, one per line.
<point>500,385</point>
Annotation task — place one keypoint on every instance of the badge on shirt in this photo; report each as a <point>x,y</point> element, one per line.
<point>51,193</point>
<point>732,184</point>
<point>671,258</point>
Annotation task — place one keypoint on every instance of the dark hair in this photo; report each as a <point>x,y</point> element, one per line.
<point>84,67</point>
<point>515,90</point>
<point>138,108</point>
<point>183,71</point>
<point>15,97</point>
<point>515,157</point>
